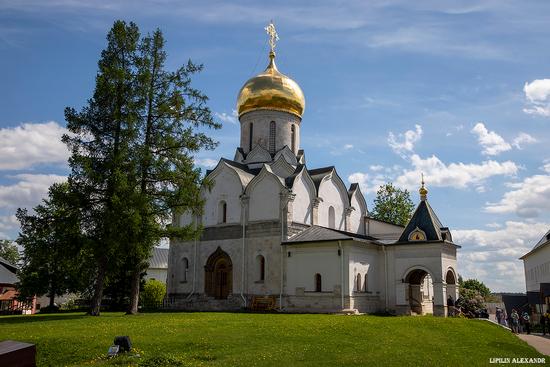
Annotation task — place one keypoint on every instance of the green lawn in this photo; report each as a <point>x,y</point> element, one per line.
<point>226,339</point>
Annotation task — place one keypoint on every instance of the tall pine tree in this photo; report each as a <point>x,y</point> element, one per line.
<point>103,169</point>
<point>172,113</point>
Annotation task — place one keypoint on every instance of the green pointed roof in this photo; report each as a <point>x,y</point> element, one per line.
<point>425,219</point>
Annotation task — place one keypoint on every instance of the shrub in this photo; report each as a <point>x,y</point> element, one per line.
<point>152,294</point>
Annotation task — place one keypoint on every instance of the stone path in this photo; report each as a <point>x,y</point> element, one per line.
<point>537,341</point>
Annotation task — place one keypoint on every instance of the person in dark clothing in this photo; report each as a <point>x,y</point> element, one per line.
<point>526,322</point>
<point>450,306</point>
<point>543,322</point>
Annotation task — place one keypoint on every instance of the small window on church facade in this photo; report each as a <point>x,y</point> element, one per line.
<point>366,283</point>
<point>331,218</point>
<point>261,268</point>
<point>250,136</point>
<point>185,269</point>
<point>272,134</point>
<point>222,212</point>
<point>358,283</point>
<point>318,285</point>
<point>293,137</point>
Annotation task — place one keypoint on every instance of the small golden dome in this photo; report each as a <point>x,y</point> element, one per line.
<point>271,90</point>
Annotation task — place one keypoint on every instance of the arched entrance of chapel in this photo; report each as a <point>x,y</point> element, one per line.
<point>451,284</point>
<point>218,273</point>
<point>420,291</point>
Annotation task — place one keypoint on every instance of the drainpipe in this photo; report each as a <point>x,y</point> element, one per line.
<point>243,249</point>
<point>282,258</point>
<point>341,249</point>
<point>282,272</point>
<point>385,277</point>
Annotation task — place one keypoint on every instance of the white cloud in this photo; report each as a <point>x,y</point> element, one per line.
<point>537,94</point>
<point>368,183</point>
<point>30,144</point>
<point>523,138</point>
<point>527,199</point>
<point>492,143</point>
<point>8,223</point>
<point>492,255</point>
<point>376,167</point>
<point>458,175</point>
<point>406,142</point>
<point>206,162</point>
<point>224,117</point>
<point>28,191</point>
<point>348,146</point>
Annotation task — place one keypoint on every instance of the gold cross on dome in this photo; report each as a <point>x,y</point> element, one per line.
<point>273,36</point>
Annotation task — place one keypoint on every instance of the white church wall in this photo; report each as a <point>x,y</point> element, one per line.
<point>227,187</point>
<point>307,260</point>
<point>180,267</point>
<point>365,261</point>
<point>406,258</point>
<point>270,248</point>
<point>357,224</point>
<point>301,206</point>
<point>184,219</point>
<point>264,202</point>
<point>382,230</point>
<point>537,268</point>
<point>332,196</point>
<point>261,121</point>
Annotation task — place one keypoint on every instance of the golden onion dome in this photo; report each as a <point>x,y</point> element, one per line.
<point>271,90</point>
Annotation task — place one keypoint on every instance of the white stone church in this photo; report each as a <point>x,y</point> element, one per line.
<point>279,232</point>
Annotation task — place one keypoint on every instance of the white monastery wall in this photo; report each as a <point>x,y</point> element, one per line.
<point>307,260</point>
<point>227,187</point>
<point>332,195</point>
<point>537,268</point>
<point>357,224</point>
<point>264,202</point>
<point>301,207</point>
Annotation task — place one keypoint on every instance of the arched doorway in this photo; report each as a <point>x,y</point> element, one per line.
<point>420,291</point>
<point>451,290</point>
<point>218,275</point>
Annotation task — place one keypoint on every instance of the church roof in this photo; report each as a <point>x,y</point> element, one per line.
<point>159,258</point>
<point>289,181</point>
<point>545,240</point>
<point>7,272</point>
<point>425,219</point>
<point>318,174</point>
<point>322,234</point>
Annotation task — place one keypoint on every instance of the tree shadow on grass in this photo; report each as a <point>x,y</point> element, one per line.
<point>4,320</point>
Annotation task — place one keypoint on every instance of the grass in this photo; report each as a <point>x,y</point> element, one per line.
<point>227,339</point>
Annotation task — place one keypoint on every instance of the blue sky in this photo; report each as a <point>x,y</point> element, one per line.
<point>459,91</point>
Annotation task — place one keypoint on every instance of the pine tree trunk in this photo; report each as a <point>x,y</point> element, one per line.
<point>134,295</point>
<point>95,308</point>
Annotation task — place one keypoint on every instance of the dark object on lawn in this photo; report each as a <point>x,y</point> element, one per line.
<point>17,354</point>
<point>124,343</point>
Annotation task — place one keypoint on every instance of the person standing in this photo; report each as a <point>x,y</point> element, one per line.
<point>526,322</point>
<point>546,318</point>
<point>499,315</point>
<point>514,320</point>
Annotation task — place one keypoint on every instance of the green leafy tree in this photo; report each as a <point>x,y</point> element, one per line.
<point>393,205</point>
<point>170,116</point>
<point>153,293</point>
<point>470,302</point>
<point>476,285</point>
<point>103,171</point>
<point>53,263</point>
<point>9,252</point>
